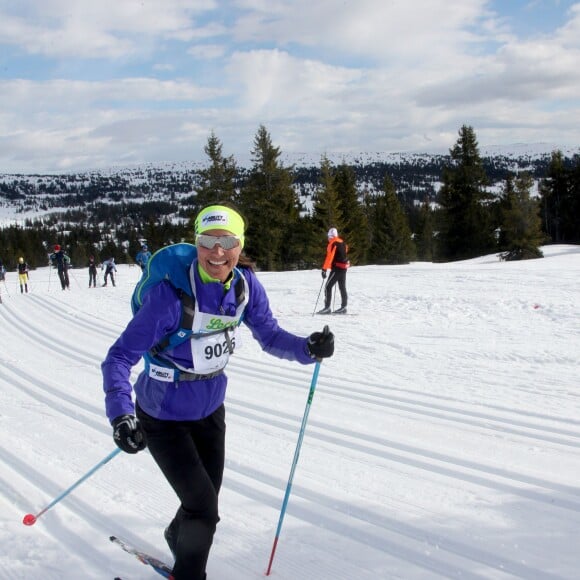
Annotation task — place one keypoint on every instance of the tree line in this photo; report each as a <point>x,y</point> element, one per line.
<point>382,225</point>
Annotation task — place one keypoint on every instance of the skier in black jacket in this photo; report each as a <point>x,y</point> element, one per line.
<point>23,275</point>
<point>62,262</point>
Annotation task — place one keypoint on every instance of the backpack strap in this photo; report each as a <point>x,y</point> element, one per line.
<point>184,332</point>
<point>240,289</point>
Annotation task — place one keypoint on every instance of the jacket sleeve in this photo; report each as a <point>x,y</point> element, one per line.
<point>158,316</point>
<point>265,329</point>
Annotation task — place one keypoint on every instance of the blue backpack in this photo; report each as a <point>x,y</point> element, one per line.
<point>172,263</point>
<point>169,263</point>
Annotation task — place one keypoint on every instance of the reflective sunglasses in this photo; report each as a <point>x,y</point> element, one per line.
<point>226,242</point>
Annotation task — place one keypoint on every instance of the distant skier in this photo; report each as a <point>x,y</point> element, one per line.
<point>337,261</point>
<point>92,272</point>
<point>62,262</point>
<point>109,267</point>
<point>23,275</point>
<point>143,257</point>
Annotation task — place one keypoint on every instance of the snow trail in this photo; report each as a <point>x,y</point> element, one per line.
<point>442,440</point>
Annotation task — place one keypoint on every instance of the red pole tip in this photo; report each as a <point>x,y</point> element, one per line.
<point>29,520</point>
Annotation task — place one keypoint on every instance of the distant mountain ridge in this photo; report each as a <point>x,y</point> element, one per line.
<point>415,175</point>
<point>514,151</point>
<point>533,151</point>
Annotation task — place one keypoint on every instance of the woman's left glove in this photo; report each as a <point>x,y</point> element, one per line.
<point>128,434</point>
<point>321,344</point>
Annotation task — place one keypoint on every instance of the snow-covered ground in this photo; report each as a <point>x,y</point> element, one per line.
<point>443,439</point>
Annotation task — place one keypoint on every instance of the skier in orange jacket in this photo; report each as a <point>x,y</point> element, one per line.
<point>337,262</point>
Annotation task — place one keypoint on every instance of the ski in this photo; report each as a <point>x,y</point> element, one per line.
<point>160,567</point>
<point>335,313</point>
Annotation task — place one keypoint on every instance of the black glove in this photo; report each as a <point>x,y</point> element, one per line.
<point>323,274</point>
<point>128,434</point>
<point>321,344</point>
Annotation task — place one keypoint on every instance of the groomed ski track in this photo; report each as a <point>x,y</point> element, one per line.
<point>357,508</point>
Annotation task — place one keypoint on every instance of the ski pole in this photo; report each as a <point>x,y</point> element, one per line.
<point>30,519</point>
<point>296,455</point>
<point>318,297</point>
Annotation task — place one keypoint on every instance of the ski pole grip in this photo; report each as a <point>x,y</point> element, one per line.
<point>325,333</point>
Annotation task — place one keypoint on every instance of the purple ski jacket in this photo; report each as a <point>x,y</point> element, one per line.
<point>159,316</point>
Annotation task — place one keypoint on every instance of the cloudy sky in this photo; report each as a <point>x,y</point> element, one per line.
<point>87,84</point>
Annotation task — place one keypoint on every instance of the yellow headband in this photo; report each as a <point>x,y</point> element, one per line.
<point>220,217</point>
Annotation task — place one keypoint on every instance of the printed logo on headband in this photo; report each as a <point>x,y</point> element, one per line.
<point>220,218</point>
<point>214,219</point>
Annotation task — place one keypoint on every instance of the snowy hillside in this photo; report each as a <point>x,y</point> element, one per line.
<point>442,440</point>
<point>415,174</point>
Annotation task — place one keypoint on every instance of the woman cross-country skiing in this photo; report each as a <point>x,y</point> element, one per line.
<point>179,397</point>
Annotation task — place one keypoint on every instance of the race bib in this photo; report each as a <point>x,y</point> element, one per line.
<point>211,353</point>
<point>214,336</point>
<point>210,349</point>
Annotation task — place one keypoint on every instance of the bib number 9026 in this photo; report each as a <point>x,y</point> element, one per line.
<point>218,349</point>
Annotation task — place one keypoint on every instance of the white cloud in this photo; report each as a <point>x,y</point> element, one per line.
<point>207,51</point>
<point>374,28</point>
<point>569,34</point>
<point>104,29</point>
<point>367,75</point>
<point>271,83</point>
<point>62,94</point>
<point>163,67</point>
<point>77,120</point>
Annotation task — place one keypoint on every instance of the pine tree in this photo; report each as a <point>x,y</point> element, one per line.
<point>307,245</point>
<point>505,202</point>
<point>355,225</point>
<point>271,205</point>
<point>154,234</point>
<point>391,241</point>
<point>327,212</point>
<point>218,181</point>
<point>573,214</point>
<point>326,209</point>
<point>521,229</point>
<point>466,227</point>
<point>424,240</point>
<point>560,193</point>
<point>554,190</point>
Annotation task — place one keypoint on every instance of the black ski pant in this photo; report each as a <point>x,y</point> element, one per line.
<point>191,455</point>
<point>63,277</point>
<point>107,274</point>
<point>92,277</point>
<point>337,275</point>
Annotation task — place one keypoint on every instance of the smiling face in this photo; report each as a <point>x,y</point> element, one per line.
<point>217,262</point>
